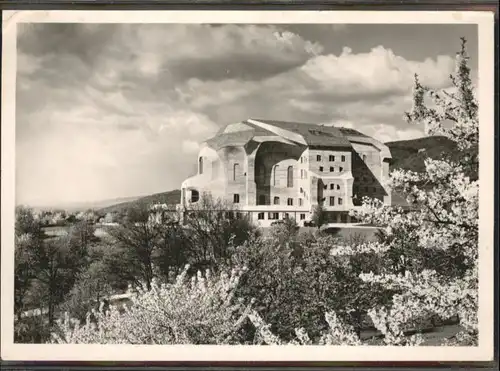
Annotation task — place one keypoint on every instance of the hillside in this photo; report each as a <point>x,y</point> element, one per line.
<point>170,198</point>
<point>410,154</point>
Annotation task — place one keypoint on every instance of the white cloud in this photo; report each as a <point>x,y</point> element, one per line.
<point>378,72</point>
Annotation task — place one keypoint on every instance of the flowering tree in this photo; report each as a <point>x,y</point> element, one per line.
<point>426,259</point>
<point>432,248</point>
<point>200,310</point>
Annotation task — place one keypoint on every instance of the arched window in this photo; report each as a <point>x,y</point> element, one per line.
<point>200,165</point>
<point>275,178</point>
<point>289,177</point>
<point>236,170</point>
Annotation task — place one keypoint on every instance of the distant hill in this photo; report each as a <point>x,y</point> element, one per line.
<point>410,154</point>
<point>170,198</point>
<point>82,206</point>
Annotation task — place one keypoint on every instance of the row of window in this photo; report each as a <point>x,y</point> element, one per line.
<point>332,186</point>
<point>331,158</point>
<point>275,216</point>
<point>332,169</point>
<point>289,201</point>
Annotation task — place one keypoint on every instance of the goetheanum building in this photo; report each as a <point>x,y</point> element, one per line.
<point>272,170</point>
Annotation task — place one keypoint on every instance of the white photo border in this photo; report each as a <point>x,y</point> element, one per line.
<point>208,353</point>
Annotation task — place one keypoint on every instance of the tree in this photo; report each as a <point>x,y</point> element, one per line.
<point>136,236</point>
<point>28,237</point>
<point>214,227</point>
<point>296,281</point>
<point>319,216</point>
<point>90,288</point>
<point>55,265</point>
<point>436,242</point>
<point>172,249</point>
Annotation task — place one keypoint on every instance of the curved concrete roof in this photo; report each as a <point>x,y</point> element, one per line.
<point>312,135</point>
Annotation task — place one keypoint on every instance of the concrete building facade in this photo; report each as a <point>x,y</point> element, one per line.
<point>272,170</point>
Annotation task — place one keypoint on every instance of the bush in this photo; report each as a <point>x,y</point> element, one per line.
<point>196,310</point>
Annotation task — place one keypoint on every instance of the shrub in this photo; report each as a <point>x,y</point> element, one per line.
<point>197,310</point>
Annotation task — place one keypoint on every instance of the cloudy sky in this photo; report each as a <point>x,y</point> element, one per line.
<point>107,111</point>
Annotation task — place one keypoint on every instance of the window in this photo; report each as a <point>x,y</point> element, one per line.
<point>272,216</point>
<point>341,169</point>
<point>289,202</point>
<point>331,158</point>
<point>195,195</point>
<point>262,200</point>
<point>364,158</point>
<point>289,177</point>
<point>260,216</point>
<point>321,168</point>
<point>302,216</point>
<point>332,201</point>
<point>340,201</point>
<point>200,165</point>
<point>301,190</point>
<point>236,170</point>
<point>228,215</point>
<point>332,185</point>
<point>301,173</point>
<point>332,169</point>
<point>300,202</point>
<point>301,159</point>
<point>276,200</point>
<point>342,158</point>
<point>318,157</point>
<point>338,186</point>
<point>285,215</point>
<point>236,198</point>
<point>275,178</point>
<point>325,186</point>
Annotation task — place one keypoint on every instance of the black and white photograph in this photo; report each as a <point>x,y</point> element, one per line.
<point>272,182</point>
